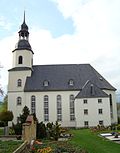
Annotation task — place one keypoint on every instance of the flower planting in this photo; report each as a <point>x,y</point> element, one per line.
<point>40,147</point>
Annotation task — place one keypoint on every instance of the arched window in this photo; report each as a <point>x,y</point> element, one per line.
<point>59,108</point>
<point>46,108</point>
<point>72,108</point>
<point>19,82</point>
<point>20,60</point>
<point>19,101</point>
<point>33,104</point>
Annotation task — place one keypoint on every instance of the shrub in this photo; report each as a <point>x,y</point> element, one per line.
<point>6,116</point>
<point>11,131</point>
<point>118,127</point>
<point>50,131</point>
<point>17,128</point>
<point>118,120</point>
<point>1,124</point>
<point>56,131</point>
<point>41,130</point>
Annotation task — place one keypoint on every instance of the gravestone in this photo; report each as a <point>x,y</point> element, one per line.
<point>29,129</point>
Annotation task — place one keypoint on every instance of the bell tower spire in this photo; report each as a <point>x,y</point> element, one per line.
<point>23,54</point>
<point>24,33</point>
<point>24,17</point>
<point>23,42</point>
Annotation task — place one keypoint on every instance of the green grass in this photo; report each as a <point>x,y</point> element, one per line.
<point>9,146</point>
<point>1,131</point>
<point>0,108</point>
<point>93,143</point>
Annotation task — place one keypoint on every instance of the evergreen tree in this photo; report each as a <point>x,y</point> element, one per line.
<point>22,119</point>
<point>41,130</point>
<point>25,114</point>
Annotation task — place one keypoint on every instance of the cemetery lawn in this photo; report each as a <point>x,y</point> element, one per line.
<point>1,131</point>
<point>1,107</point>
<point>92,142</point>
<point>9,146</point>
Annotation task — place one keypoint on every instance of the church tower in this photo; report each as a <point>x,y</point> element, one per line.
<point>21,69</point>
<point>23,54</point>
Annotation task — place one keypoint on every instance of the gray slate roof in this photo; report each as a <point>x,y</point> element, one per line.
<point>90,90</point>
<point>58,77</point>
<point>20,69</point>
<point>23,44</point>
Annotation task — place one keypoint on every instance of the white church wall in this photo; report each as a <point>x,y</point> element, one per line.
<point>27,58</point>
<point>12,104</point>
<point>92,107</point>
<point>65,95</point>
<point>13,78</point>
<point>93,116</point>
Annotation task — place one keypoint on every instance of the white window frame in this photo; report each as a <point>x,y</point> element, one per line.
<point>46,108</point>
<point>59,108</point>
<point>19,83</point>
<point>19,101</point>
<point>72,108</point>
<point>33,104</point>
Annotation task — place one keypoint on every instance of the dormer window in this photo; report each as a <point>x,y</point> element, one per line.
<point>71,82</point>
<point>45,83</point>
<point>19,82</point>
<point>101,79</point>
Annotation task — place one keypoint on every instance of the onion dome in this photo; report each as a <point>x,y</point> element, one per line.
<point>23,44</point>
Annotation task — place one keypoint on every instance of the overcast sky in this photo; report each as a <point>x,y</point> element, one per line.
<point>64,32</point>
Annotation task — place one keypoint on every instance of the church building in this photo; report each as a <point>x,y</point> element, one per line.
<point>76,95</point>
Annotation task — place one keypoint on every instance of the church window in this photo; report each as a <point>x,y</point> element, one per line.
<point>72,108</point>
<point>45,83</point>
<point>71,82</point>
<point>85,111</point>
<point>99,101</point>
<point>33,104</point>
<point>100,111</point>
<point>19,83</point>
<point>101,122</point>
<point>46,108</point>
<point>59,108</point>
<point>19,100</point>
<point>85,101</point>
<point>20,60</point>
<point>86,123</point>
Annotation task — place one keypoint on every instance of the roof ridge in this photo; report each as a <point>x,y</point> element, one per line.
<point>61,64</point>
